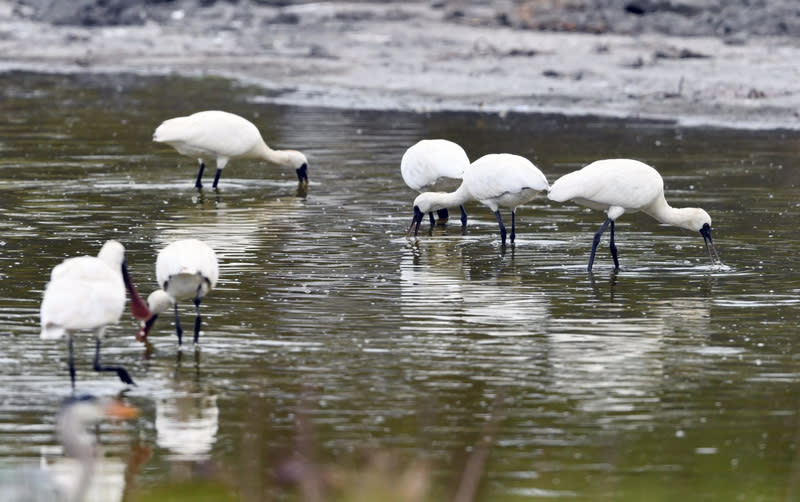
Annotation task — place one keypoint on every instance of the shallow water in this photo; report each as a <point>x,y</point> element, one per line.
<point>670,380</point>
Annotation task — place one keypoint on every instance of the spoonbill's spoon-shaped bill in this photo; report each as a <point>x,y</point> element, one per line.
<point>224,136</point>
<point>619,186</point>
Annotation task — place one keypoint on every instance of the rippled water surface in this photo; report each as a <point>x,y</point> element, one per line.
<point>385,361</point>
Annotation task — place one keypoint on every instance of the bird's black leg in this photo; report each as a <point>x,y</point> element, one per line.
<point>122,373</point>
<point>199,182</point>
<point>216,178</point>
<point>596,241</point>
<point>433,220</point>
<point>178,330</point>
<point>443,215</point>
<point>463,216</point>
<point>198,319</point>
<point>71,364</point>
<point>513,231</point>
<point>613,248</point>
<point>502,227</point>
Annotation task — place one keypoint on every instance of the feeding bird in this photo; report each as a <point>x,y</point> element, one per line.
<point>185,269</point>
<point>427,162</point>
<point>224,136</point>
<point>495,180</point>
<point>88,292</point>
<point>617,186</point>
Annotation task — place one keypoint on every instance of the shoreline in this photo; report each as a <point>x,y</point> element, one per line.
<point>408,57</point>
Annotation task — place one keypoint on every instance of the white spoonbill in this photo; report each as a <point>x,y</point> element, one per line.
<point>427,162</point>
<point>224,136</point>
<point>88,292</point>
<point>497,179</point>
<point>617,186</point>
<point>77,477</point>
<point>185,269</point>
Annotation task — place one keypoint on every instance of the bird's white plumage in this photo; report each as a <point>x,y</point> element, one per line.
<point>504,179</point>
<point>429,160</point>
<point>224,136</point>
<point>86,292</point>
<point>625,185</point>
<point>617,186</point>
<point>210,134</point>
<point>186,265</point>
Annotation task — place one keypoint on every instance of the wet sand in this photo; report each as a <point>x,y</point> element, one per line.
<point>415,57</point>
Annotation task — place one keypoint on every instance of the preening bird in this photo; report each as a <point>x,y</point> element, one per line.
<point>88,292</point>
<point>185,269</point>
<point>224,136</point>
<point>495,180</point>
<point>430,160</point>
<point>617,186</point>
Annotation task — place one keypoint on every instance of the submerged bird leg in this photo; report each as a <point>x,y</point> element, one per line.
<point>613,248</point>
<point>216,178</point>
<point>198,319</point>
<point>199,182</point>
<point>443,215</point>
<point>513,231</point>
<point>502,227</point>
<point>178,330</point>
<point>121,372</point>
<point>71,362</point>
<point>596,241</point>
<point>463,216</point>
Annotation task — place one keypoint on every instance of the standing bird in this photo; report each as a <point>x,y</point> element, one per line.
<point>89,293</point>
<point>497,179</point>
<point>184,269</point>
<point>427,162</point>
<point>617,186</point>
<point>79,476</point>
<point>225,136</point>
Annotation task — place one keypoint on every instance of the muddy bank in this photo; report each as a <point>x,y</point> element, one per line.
<point>440,56</point>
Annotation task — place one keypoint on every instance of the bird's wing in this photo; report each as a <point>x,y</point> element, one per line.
<point>187,256</point>
<point>498,174</point>
<point>219,134</point>
<point>430,160</point>
<point>615,182</point>
<point>86,295</point>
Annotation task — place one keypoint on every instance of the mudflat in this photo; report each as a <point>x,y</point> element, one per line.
<point>674,65</point>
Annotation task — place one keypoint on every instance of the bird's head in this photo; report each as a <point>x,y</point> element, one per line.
<point>424,203</point>
<point>80,412</point>
<point>427,202</point>
<point>695,218</point>
<point>299,162</point>
<point>158,302</point>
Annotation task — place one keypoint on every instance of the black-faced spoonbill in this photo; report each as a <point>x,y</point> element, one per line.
<point>497,179</point>
<point>617,186</point>
<point>88,292</point>
<point>185,269</point>
<point>427,162</point>
<point>224,136</point>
